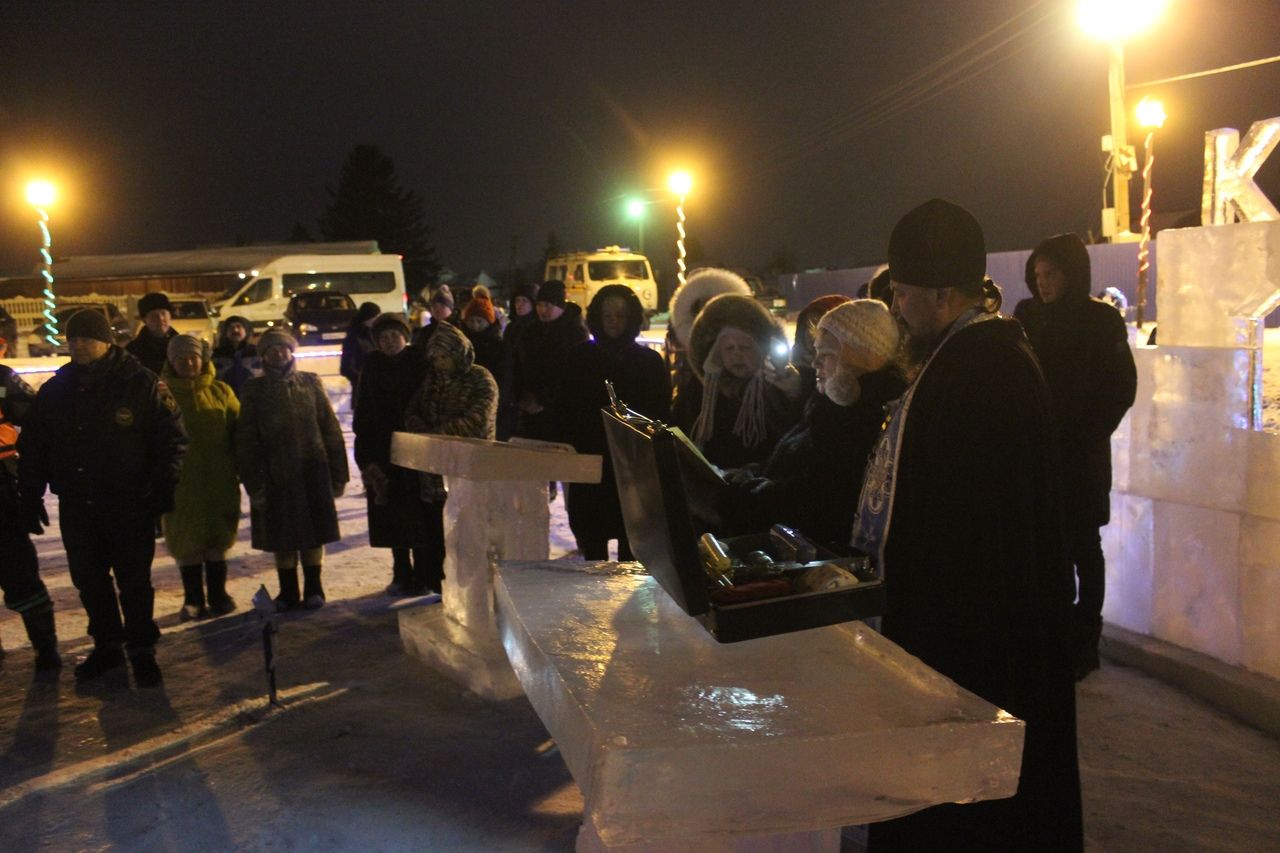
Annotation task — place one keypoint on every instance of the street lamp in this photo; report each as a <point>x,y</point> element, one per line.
<point>1115,21</point>
<point>637,209</point>
<point>680,183</point>
<point>1151,116</point>
<point>40,195</point>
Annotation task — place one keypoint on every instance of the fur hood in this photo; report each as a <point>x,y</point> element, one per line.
<point>451,341</point>
<point>736,310</point>
<point>690,297</point>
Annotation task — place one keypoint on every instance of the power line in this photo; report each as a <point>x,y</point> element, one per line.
<point>934,79</point>
<point>1196,74</point>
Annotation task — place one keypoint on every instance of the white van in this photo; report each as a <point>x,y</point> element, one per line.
<point>264,293</point>
<point>584,273</point>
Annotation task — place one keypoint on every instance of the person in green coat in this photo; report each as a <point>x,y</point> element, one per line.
<point>202,527</point>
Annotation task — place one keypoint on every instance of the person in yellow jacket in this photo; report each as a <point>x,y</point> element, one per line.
<point>206,513</point>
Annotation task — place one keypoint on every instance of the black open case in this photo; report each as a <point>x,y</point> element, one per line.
<point>670,496</point>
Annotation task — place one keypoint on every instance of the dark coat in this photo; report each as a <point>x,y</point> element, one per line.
<point>1084,351</point>
<point>387,384</point>
<point>108,434</point>
<point>978,584</point>
<point>723,448</point>
<point>493,354</point>
<point>153,352</point>
<point>811,480</point>
<point>292,458</point>
<point>355,347</point>
<point>508,402</point>
<point>640,380</point>
<point>539,367</point>
<point>235,365</point>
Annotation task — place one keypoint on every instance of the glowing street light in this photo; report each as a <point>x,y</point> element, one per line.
<point>1115,21</point>
<point>1151,116</point>
<point>638,209</point>
<point>40,195</point>
<point>680,183</point>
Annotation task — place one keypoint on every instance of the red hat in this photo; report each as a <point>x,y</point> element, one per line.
<point>480,305</point>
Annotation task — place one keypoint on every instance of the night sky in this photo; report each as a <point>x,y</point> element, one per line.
<point>182,124</point>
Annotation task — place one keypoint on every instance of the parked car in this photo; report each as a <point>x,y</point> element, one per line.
<point>194,316</point>
<point>9,331</point>
<point>38,345</point>
<point>319,317</point>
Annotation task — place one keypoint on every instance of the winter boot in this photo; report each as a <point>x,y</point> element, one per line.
<point>220,604</point>
<point>146,672</point>
<point>289,596</point>
<point>100,661</point>
<point>312,591</point>
<point>401,572</point>
<point>44,639</point>
<point>192,594</point>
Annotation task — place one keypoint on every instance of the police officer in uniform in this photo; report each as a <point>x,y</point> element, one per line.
<point>24,592</point>
<point>105,435</point>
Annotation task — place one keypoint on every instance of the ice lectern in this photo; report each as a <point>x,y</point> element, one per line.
<point>496,510</point>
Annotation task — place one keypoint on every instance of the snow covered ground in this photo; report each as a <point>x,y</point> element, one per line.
<point>372,751</point>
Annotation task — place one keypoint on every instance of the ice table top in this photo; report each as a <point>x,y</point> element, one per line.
<point>483,459</point>
<point>670,734</point>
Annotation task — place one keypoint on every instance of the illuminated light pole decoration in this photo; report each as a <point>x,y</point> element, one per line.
<point>1114,22</point>
<point>680,183</point>
<point>40,194</point>
<point>637,209</point>
<point>1151,116</point>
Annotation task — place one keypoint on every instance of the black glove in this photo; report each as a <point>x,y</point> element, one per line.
<point>34,516</point>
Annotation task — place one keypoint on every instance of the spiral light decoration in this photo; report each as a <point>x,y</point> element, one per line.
<point>1151,115</point>
<point>46,272</point>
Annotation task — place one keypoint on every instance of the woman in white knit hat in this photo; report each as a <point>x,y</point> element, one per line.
<point>812,479</point>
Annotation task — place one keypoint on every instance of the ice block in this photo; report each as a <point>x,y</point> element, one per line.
<point>680,742</point>
<point>497,509</point>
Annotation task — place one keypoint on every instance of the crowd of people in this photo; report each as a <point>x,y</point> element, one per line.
<point>965,451</point>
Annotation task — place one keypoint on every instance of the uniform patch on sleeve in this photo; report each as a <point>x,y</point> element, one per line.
<point>124,416</point>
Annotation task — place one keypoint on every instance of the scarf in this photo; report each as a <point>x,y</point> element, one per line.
<point>751,426</point>
<point>875,502</point>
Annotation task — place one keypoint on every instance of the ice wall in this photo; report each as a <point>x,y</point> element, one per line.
<point>1193,548</point>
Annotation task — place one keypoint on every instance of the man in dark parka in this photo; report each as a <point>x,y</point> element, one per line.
<point>151,346</point>
<point>1085,355</point>
<point>106,436</point>
<point>961,506</point>
<point>540,360</point>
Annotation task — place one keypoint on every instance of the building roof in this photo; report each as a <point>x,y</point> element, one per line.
<point>228,259</point>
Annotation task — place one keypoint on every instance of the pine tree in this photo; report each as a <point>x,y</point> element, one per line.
<point>370,204</point>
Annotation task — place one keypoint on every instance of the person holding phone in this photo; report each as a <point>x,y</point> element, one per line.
<point>742,407</point>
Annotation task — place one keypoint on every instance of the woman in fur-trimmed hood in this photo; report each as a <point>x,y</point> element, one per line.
<point>739,414</point>
<point>458,397</point>
<point>686,304</point>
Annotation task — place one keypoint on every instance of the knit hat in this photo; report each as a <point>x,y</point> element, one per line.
<point>443,295</point>
<point>481,305</point>
<point>152,302</point>
<point>867,328</point>
<point>528,290</point>
<point>807,326</point>
<point>937,245</point>
<point>88,323</point>
<point>276,338</point>
<point>390,320</point>
<point>183,345</point>
<point>552,292</point>
<point>690,298</point>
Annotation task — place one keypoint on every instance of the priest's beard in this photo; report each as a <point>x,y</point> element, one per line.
<point>843,387</point>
